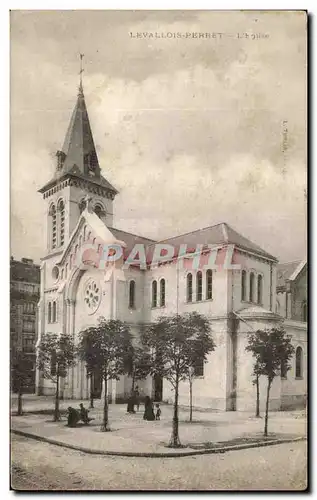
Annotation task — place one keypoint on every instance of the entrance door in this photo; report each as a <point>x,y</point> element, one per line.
<point>158,388</point>
<point>97,384</point>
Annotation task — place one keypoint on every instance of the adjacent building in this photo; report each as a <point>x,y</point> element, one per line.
<point>24,296</point>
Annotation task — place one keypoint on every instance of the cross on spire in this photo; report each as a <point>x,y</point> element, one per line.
<point>81,92</point>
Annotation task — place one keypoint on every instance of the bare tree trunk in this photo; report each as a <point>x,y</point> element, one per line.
<point>175,442</point>
<point>257,413</point>
<point>91,390</point>
<point>20,400</point>
<point>269,382</point>
<point>105,425</point>
<point>190,399</point>
<point>56,410</point>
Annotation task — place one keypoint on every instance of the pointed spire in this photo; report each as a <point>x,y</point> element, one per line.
<point>79,148</point>
<point>80,88</point>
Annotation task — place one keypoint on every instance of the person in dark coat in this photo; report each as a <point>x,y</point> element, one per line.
<point>73,417</point>
<point>148,409</point>
<point>131,402</point>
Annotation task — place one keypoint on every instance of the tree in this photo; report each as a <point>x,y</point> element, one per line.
<point>106,350</point>
<point>138,364</point>
<point>56,353</point>
<point>86,352</point>
<point>271,349</point>
<point>175,343</point>
<point>191,379</point>
<point>20,367</point>
<point>256,382</point>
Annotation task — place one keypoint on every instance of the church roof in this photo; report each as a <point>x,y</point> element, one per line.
<point>130,239</point>
<point>219,234</point>
<point>288,271</point>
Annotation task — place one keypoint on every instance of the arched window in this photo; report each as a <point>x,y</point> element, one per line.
<point>76,249</point>
<point>132,294</point>
<point>70,261</point>
<point>199,286</point>
<point>54,312</point>
<point>99,210</point>
<point>162,292</point>
<point>61,222</point>
<point>209,284</point>
<point>304,311</point>
<point>82,205</point>
<point>251,290</point>
<point>299,363</point>
<point>189,287</point>
<point>243,285</point>
<point>66,270</point>
<point>154,293</point>
<point>53,229</point>
<point>62,274</point>
<point>49,315</point>
<point>84,237</point>
<point>89,235</point>
<point>260,289</point>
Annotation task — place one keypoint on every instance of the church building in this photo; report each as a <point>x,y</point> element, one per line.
<point>238,298</point>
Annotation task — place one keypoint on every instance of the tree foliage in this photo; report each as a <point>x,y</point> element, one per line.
<point>270,349</point>
<point>105,348</point>
<point>138,363</point>
<point>175,343</point>
<point>56,354</point>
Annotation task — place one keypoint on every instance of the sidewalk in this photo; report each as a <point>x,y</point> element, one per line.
<point>131,435</point>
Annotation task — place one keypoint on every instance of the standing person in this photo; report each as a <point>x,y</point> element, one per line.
<point>137,397</point>
<point>158,412</point>
<point>148,409</point>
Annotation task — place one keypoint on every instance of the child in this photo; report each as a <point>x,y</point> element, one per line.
<point>158,412</point>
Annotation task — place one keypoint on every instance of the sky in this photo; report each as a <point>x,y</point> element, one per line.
<point>192,131</point>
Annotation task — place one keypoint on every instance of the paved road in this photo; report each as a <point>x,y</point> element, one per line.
<point>37,465</point>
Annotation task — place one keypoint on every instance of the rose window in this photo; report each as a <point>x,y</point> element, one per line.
<point>92,296</point>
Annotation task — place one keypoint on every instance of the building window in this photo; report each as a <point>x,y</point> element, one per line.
<point>62,274</point>
<point>251,290</point>
<point>243,285</point>
<point>304,311</point>
<point>199,367</point>
<point>99,210</point>
<point>61,211</point>
<point>66,270</point>
<point>49,315</point>
<point>189,287</point>
<point>209,284</point>
<point>132,294</point>
<point>162,292</point>
<point>299,363</point>
<point>260,289</point>
<point>199,286</point>
<point>52,215</point>
<point>154,293</point>
<point>54,317</point>
<point>84,236</point>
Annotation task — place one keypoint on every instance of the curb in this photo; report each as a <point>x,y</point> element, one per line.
<point>223,449</point>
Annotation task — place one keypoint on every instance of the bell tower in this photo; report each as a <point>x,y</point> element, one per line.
<point>77,174</point>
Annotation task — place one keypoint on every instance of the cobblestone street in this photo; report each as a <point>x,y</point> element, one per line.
<point>39,465</point>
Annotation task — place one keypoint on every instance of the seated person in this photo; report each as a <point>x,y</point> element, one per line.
<point>73,417</point>
<point>83,413</point>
